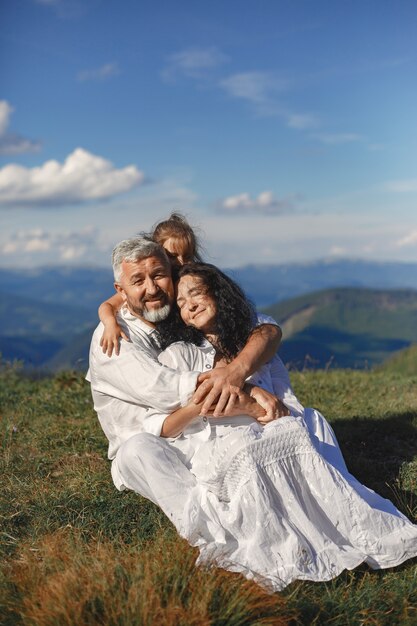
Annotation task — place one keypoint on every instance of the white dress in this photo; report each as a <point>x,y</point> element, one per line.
<point>269,505</point>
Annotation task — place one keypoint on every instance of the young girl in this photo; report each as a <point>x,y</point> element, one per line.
<point>181,245</point>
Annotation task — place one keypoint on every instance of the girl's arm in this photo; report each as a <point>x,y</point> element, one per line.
<point>107,311</point>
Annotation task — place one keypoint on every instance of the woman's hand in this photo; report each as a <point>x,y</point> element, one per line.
<point>272,405</point>
<point>218,387</point>
<point>110,339</point>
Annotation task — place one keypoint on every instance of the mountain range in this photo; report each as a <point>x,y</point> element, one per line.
<point>350,313</point>
<point>350,327</point>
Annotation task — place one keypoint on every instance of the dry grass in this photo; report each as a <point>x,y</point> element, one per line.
<point>63,581</point>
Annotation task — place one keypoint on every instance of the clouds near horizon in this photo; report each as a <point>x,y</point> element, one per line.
<point>81,177</point>
<point>264,204</point>
<point>402,186</point>
<point>64,247</point>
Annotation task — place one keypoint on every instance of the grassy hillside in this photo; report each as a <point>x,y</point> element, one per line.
<point>348,327</point>
<point>76,551</point>
<point>403,363</point>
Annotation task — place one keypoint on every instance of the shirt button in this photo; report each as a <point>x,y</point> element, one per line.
<point>208,366</point>
<point>204,419</point>
<point>213,351</point>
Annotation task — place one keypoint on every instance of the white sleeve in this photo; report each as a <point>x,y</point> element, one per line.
<point>262,318</point>
<point>282,386</point>
<point>137,377</point>
<point>179,356</point>
<point>182,357</point>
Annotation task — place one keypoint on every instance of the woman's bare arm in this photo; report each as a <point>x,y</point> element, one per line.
<point>240,403</point>
<point>175,423</point>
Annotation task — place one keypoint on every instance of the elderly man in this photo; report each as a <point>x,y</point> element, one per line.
<point>128,390</point>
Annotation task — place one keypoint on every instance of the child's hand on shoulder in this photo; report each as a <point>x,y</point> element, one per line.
<point>111,337</point>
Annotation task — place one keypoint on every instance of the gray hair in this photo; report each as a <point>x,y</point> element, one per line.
<point>132,250</point>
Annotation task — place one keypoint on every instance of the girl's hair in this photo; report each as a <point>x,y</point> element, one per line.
<point>235,315</point>
<point>177,226</point>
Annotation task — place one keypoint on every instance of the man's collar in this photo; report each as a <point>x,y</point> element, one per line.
<point>135,322</point>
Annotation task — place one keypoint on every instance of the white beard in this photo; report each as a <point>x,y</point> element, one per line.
<point>156,315</point>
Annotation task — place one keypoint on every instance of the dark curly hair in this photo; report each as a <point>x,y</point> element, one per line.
<point>235,317</point>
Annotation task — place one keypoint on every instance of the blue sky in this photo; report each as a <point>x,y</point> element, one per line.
<point>285,130</point>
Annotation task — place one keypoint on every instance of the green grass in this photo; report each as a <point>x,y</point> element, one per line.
<point>75,551</point>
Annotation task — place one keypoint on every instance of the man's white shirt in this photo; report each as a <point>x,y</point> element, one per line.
<point>124,387</point>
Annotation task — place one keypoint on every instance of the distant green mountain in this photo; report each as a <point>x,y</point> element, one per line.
<point>351,327</point>
<point>33,331</point>
<point>73,355</point>
<point>346,327</point>
<point>83,287</point>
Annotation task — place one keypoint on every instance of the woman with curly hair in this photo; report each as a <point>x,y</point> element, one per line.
<point>235,315</point>
<point>267,503</point>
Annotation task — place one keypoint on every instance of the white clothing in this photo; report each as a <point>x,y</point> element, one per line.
<point>124,387</point>
<point>133,392</point>
<point>272,377</point>
<point>151,467</point>
<point>267,504</point>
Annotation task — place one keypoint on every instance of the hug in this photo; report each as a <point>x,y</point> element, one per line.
<point>201,419</point>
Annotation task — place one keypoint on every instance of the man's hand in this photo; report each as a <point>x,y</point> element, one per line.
<point>272,405</point>
<point>219,387</point>
<point>242,404</point>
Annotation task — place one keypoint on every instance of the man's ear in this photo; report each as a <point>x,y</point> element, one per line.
<point>120,290</point>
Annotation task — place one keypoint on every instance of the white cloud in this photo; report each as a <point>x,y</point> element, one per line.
<point>64,246</point>
<point>12,143</point>
<point>302,121</point>
<point>193,62</point>
<point>333,139</point>
<point>255,87</point>
<point>108,70</point>
<point>299,237</point>
<point>338,251</point>
<point>82,177</point>
<point>408,240</point>
<point>402,186</point>
<point>5,112</point>
<point>264,204</point>
<point>258,88</point>
<point>263,91</point>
